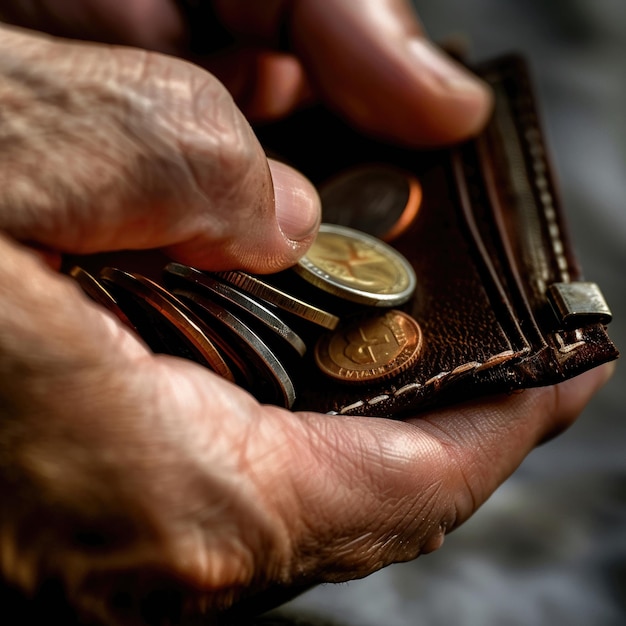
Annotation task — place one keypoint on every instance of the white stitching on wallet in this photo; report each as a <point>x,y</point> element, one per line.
<point>351,407</point>
<point>566,348</point>
<point>377,399</point>
<point>471,366</point>
<point>496,360</point>
<point>546,197</point>
<point>407,388</point>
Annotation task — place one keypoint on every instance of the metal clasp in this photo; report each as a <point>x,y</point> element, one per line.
<point>578,304</point>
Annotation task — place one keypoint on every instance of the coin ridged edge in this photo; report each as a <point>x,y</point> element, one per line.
<point>282,300</point>
<point>251,339</point>
<point>237,298</point>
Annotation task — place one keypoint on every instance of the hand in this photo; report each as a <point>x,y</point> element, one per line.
<point>143,485</point>
<point>369,59</point>
<point>146,486</point>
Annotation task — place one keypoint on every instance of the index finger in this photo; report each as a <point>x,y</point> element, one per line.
<point>372,61</point>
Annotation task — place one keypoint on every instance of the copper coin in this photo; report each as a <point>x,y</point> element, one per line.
<point>355,266</point>
<point>377,199</point>
<point>371,348</point>
<point>99,294</point>
<point>180,330</point>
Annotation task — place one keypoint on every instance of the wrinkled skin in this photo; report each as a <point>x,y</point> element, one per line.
<point>145,485</point>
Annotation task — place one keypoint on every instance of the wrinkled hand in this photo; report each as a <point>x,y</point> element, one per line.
<point>145,484</point>
<point>369,59</point>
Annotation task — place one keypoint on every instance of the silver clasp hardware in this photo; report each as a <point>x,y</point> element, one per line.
<point>578,304</point>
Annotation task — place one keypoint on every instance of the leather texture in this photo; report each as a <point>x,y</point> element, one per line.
<point>487,244</point>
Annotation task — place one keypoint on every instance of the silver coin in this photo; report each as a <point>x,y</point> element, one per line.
<point>212,287</point>
<point>353,265</point>
<point>281,389</point>
<point>265,291</point>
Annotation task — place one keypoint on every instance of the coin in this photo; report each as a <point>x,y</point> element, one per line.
<point>212,287</point>
<point>269,368</point>
<point>180,331</point>
<point>377,199</point>
<point>358,267</point>
<point>265,291</point>
<point>99,294</point>
<point>371,348</point>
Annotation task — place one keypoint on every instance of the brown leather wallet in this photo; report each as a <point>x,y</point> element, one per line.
<point>500,298</point>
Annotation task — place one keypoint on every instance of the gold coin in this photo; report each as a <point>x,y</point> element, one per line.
<point>358,267</point>
<point>371,348</point>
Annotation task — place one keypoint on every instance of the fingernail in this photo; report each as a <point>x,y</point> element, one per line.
<point>296,201</point>
<point>450,74</point>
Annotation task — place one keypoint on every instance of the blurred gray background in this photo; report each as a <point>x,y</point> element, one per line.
<point>550,547</point>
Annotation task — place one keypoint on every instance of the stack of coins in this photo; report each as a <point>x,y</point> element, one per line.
<point>336,306</point>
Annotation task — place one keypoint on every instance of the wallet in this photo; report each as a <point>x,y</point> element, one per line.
<point>500,297</point>
<point>499,302</point>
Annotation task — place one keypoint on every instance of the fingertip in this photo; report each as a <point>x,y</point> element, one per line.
<point>374,64</point>
<point>269,238</point>
<point>448,79</point>
<point>440,101</point>
<point>556,407</point>
<point>297,203</point>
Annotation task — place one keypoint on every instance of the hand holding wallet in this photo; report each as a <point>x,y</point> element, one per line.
<point>499,302</point>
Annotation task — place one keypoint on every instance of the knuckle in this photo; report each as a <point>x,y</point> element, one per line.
<point>220,163</point>
<point>212,133</point>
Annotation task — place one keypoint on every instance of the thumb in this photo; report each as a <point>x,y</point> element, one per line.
<point>112,148</point>
<point>260,241</point>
